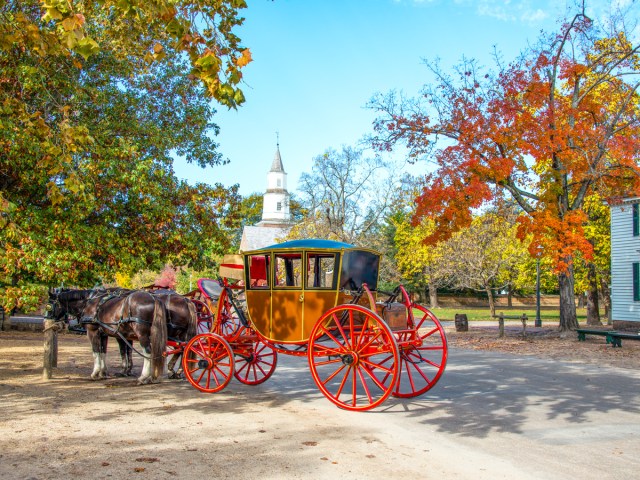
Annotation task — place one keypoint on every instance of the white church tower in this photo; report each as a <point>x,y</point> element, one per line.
<point>276,217</point>
<point>275,209</point>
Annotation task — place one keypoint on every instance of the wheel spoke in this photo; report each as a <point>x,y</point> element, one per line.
<point>365,386</point>
<point>423,362</point>
<point>362,360</point>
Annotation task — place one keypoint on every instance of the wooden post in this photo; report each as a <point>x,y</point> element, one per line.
<point>501,325</point>
<point>50,349</point>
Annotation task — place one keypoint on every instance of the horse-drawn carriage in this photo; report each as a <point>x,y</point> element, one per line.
<point>319,299</point>
<point>313,298</point>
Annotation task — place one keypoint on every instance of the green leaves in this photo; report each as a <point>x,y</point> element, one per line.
<point>88,133</point>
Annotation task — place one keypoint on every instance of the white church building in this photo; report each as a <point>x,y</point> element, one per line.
<point>276,217</point>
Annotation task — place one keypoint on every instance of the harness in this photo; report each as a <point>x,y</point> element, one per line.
<point>114,328</point>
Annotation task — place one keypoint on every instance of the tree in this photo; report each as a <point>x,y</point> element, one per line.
<point>550,129</point>
<point>88,129</point>
<point>343,196</point>
<point>594,274</point>
<point>479,256</point>
<point>422,265</point>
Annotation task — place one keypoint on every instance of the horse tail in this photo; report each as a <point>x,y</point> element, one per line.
<point>192,330</point>
<point>158,338</point>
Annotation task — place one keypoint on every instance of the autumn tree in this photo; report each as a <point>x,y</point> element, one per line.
<point>95,99</point>
<point>422,266</point>
<point>480,255</point>
<point>550,129</point>
<point>593,275</point>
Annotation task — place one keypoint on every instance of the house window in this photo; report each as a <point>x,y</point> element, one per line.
<point>636,219</point>
<point>279,206</point>
<point>279,182</point>
<point>636,282</point>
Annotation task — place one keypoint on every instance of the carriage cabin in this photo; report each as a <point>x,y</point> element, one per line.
<point>290,285</point>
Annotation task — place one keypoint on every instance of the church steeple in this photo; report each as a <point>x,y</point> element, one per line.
<point>276,166</point>
<point>275,209</point>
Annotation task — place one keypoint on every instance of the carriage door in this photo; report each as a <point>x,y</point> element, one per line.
<point>287,297</point>
<point>320,292</point>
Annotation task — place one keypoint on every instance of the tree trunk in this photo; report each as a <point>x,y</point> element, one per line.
<point>509,297</point>
<point>606,299</point>
<point>433,296</point>
<point>568,317</point>
<point>593,306</point>
<point>492,303</point>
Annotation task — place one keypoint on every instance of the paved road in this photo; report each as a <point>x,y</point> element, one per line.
<point>491,416</point>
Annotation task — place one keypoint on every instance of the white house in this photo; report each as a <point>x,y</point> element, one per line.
<point>625,263</point>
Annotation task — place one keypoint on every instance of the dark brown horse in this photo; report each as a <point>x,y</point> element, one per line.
<point>129,316</point>
<point>65,302</point>
<point>182,323</point>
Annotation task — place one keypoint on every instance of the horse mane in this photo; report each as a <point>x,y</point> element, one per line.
<point>71,295</point>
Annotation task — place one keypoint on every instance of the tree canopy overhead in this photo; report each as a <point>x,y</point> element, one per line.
<point>550,129</point>
<point>96,98</point>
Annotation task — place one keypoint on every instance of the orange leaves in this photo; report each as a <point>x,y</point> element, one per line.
<point>559,239</point>
<point>244,59</point>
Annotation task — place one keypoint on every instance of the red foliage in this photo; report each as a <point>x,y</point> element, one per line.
<point>168,278</point>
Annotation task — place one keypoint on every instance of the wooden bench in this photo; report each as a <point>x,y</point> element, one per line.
<point>501,318</point>
<point>583,332</point>
<point>616,338</point>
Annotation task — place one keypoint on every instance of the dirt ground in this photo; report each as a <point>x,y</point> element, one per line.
<point>48,429</point>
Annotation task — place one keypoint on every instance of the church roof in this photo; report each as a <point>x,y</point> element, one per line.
<point>254,237</point>
<point>276,166</point>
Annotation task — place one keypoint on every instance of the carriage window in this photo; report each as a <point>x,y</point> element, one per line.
<point>321,272</point>
<point>258,266</point>
<point>288,270</point>
<point>359,267</point>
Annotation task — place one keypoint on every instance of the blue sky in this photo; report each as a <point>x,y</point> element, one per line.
<point>316,64</point>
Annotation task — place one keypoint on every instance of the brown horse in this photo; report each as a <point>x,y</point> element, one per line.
<point>127,316</point>
<point>65,302</point>
<point>182,322</point>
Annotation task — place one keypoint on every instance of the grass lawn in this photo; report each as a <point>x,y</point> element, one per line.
<point>547,315</point>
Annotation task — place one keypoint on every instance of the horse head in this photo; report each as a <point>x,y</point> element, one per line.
<point>66,301</point>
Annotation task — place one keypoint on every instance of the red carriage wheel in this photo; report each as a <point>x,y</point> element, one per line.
<point>208,362</point>
<point>205,317</point>
<point>227,322</point>
<point>257,364</point>
<point>353,357</point>
<point>423,353</point>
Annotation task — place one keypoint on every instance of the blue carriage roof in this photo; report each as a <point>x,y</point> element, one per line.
<point>310,243</point>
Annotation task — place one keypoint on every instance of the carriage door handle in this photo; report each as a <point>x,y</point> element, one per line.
<point>301,298</point>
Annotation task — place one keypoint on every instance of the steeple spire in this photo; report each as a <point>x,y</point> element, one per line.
<point>276,166</point>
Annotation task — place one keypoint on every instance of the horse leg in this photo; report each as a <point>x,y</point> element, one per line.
<point>147,367</point>
<point>126,360</point>
<point>171,365</point>
<point>99,346</point>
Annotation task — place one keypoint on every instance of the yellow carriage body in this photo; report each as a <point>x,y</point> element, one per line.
<point>290,285</point>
